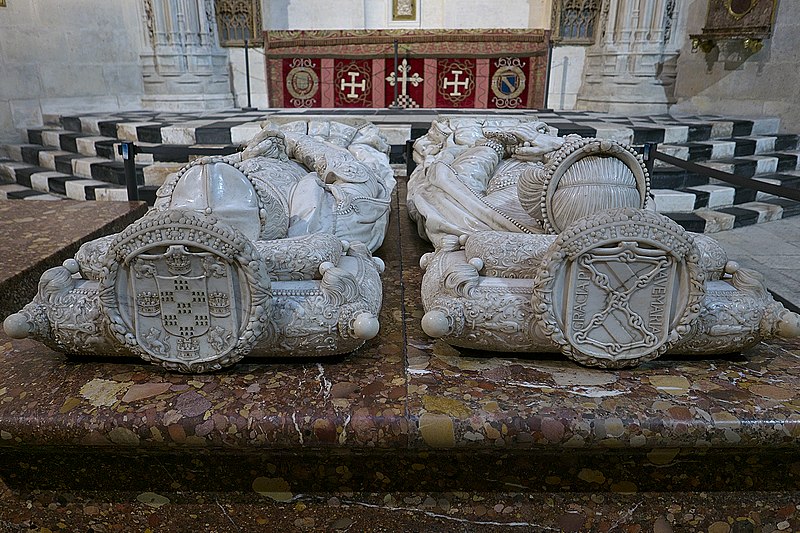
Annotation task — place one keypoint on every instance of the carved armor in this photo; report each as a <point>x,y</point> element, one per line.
<point>231,261</point>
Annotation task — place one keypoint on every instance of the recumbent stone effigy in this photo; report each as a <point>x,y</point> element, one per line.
<point>266,252</point>
<point>546,244</point>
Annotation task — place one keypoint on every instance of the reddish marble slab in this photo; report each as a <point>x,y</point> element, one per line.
<point>355,400</point>
<point>403,434</point>
<point>35,236</point>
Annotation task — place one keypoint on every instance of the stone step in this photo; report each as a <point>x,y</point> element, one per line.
<point>236,126</point>
<point>96,168</point>
<point>730,148</point>
<point>12,191</point>
<point>77,155</point>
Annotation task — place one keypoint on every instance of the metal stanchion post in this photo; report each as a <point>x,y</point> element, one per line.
<point>547,73</point>
<point>395,105</point>
<point>128,152</point>
<point>247,70</point>
<point>649,156</point>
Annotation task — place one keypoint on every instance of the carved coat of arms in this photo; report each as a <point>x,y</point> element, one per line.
<point>184,304</point>
<point>620,298</point>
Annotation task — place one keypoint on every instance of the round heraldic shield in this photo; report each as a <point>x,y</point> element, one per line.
<point>619,288</point>
<point>185,290</point>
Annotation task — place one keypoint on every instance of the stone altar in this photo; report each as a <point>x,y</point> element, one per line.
<point>266,252</point>
<point>545,244</point>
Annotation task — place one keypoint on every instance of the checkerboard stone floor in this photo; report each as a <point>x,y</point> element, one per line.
<point>75,156</point>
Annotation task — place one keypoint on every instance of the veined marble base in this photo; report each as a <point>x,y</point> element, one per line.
<point>454,439</point>
<point>36,236</point>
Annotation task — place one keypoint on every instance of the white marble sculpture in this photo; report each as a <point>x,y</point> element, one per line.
<point>267,252</point>
<point>545,244</point>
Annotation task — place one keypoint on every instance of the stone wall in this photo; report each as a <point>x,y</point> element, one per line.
<point>565,76</point>
<point>730,81</point>
<point>431,14</point>
<point>58,56</point>
<point>258,77</point>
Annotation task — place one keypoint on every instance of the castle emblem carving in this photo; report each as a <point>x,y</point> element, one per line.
<point>181,294</point>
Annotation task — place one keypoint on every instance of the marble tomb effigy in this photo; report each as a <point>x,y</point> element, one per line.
<point>546,244</point>
<point>267,252</point>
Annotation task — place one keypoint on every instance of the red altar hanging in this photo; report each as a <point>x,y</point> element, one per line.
<point>500,69</point>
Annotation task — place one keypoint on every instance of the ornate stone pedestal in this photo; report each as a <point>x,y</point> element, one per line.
<point>407,433</point>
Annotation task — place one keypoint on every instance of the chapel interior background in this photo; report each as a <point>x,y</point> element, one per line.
<point>626,56</point>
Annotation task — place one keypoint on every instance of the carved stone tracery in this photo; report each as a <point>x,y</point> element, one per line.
<point>238,20</point>
<point>183,68</point>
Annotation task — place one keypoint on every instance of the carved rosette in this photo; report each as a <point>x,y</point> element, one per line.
<point>186,291</point>
<point>603,173</point>
<point>619,288</point>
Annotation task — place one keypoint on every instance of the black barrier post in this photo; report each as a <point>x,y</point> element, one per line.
<point>395,104</point>
<point>649,156</point>
<point>247,70</point>
<point>410,163</point>
<point>128,152</point>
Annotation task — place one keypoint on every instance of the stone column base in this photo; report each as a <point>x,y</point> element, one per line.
<point>626,96</point>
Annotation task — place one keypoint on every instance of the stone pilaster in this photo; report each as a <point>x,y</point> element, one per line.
<point>183,67</point>
<point>631,68</point>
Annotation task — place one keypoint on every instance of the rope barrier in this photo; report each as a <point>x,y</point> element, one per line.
<point>651,153</point>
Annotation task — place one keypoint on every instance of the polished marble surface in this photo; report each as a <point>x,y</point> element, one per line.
<point>36,236</point>
<point>402,390</point>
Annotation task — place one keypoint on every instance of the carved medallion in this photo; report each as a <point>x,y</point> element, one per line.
<point>616,300</point>
<point>187,291</point>
<point>619,287</point>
